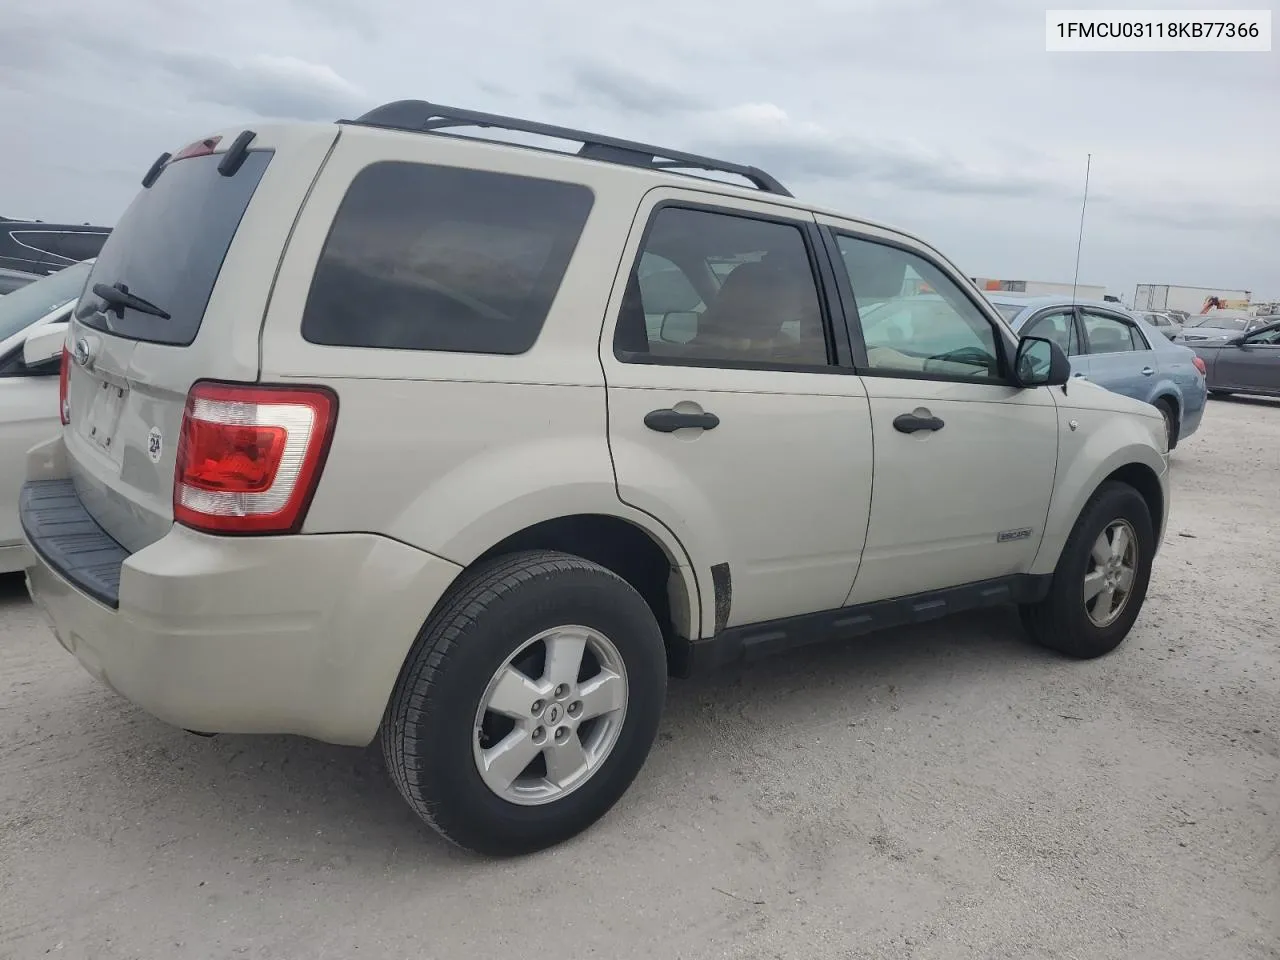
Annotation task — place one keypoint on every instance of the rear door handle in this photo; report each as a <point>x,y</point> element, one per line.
<point>1148,371</point>
<point>667,420</point>
<point>910,423</point>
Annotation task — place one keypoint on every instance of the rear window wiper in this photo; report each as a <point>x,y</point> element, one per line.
<point>118,297</point>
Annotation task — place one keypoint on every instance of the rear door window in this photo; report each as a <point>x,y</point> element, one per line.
<point>1058,326</point>
<point>424,257</point>
<point>169,246</point>
<point>1107,334</point>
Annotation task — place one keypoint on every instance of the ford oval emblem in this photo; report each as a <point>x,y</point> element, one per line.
<point>82,351</point>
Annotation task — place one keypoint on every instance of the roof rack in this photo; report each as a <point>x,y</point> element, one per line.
<point>419,115</point>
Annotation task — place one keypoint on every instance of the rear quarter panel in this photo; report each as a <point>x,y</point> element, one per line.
<point>453,452</point>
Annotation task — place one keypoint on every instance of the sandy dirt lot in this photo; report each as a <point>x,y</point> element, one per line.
<point>948,792</point>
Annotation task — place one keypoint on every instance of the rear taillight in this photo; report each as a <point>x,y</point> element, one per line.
<point>1199,365</point>
<point>249,457</point>
<point>64,402</point>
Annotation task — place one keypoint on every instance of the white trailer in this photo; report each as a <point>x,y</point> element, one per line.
<point>1193,300</point>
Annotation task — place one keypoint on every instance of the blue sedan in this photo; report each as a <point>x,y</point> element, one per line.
<point>1118,351</point>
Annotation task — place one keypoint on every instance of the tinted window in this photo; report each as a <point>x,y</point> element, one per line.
<point>37,249</point>
<point>81,246</point>
<point>1009,310</point>
<point>914,318</point>
<point>11,280</point>
<point>28,304</point>
<point>1058,327</point>
<point>441,258</point>
<point>747,294</point>
<point>169,246</point>
<point>1111,335</point>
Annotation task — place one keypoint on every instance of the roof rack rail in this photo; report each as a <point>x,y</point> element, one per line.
<point>419,115</point>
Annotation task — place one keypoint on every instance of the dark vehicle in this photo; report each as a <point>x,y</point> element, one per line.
<point>11,280</point>
<point>33,246</point>
<point>1247,363</point>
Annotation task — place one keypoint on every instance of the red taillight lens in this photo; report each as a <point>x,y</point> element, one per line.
<point>64,402</point>
<point>1199,365</point>
<point>249,457</point>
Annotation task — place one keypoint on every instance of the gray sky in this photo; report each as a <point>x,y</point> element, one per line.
<point>946,118</point>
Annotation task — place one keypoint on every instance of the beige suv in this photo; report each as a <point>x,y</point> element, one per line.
<point>379,430</point>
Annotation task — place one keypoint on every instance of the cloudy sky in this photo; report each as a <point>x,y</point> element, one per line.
<point>946,118</point>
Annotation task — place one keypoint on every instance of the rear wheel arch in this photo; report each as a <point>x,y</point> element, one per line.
<point>665,581</point>
<point>1171,403</point>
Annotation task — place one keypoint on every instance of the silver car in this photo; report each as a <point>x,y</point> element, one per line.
<point>1217,327</point>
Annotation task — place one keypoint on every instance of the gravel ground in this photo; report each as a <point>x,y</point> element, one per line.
<point>944,792</point>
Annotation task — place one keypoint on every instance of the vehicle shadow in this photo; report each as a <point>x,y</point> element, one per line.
<point>275,798</point>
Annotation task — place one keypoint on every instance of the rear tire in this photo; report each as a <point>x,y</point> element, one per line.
<point>1169,411</point>
<point>460,762</point>
<point>1070,619</point>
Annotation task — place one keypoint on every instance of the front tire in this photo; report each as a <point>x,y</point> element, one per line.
<point>528,703</point>
<point>1101,579</point>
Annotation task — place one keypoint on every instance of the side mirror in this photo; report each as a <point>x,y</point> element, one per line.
<point>1040,363</point>
<point>44,344</point>
<point>679,327</point>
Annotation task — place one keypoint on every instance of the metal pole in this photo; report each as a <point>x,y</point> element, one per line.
<point>1080,239</point>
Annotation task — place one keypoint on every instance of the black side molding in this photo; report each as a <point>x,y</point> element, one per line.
<point>754,641</point>
<point>722,584</point>
<point>70,541</point>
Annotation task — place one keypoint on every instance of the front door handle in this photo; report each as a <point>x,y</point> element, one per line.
<point>1080,376</point>
<point>910,423</point>
<point>1148,371</point>
<point>667,420</point>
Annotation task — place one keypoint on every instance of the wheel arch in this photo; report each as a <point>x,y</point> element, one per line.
<point>1143,479</point>
<point>657,569</point>
<point>1167,395</point>
<point>1135,462</point>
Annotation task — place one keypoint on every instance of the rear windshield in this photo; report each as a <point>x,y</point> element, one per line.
<point>423,257</point>
<point>168,248</point>
<point>1009,310</point>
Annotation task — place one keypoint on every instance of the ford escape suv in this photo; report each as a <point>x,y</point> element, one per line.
<point>379,429</point>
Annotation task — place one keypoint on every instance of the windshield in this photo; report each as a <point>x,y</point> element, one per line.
<point>26,305</point>
<point>1009,310</point>
<point>1224,323</point>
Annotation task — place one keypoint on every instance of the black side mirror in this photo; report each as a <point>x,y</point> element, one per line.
<point>1040,363</point>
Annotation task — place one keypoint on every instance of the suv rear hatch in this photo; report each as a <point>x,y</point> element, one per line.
<point>177,295</point>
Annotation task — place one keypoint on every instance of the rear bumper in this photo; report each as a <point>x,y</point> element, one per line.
<point>1191,420</point>
<point>301,634</point>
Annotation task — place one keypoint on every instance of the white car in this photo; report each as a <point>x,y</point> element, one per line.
<point>376,430</point>
<point>31,315</point>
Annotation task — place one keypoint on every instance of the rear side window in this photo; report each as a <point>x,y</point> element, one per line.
<point>424,257</point>
<point>169,246</point>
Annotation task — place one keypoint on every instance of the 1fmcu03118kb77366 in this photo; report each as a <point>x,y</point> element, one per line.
<point>374,430</point>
